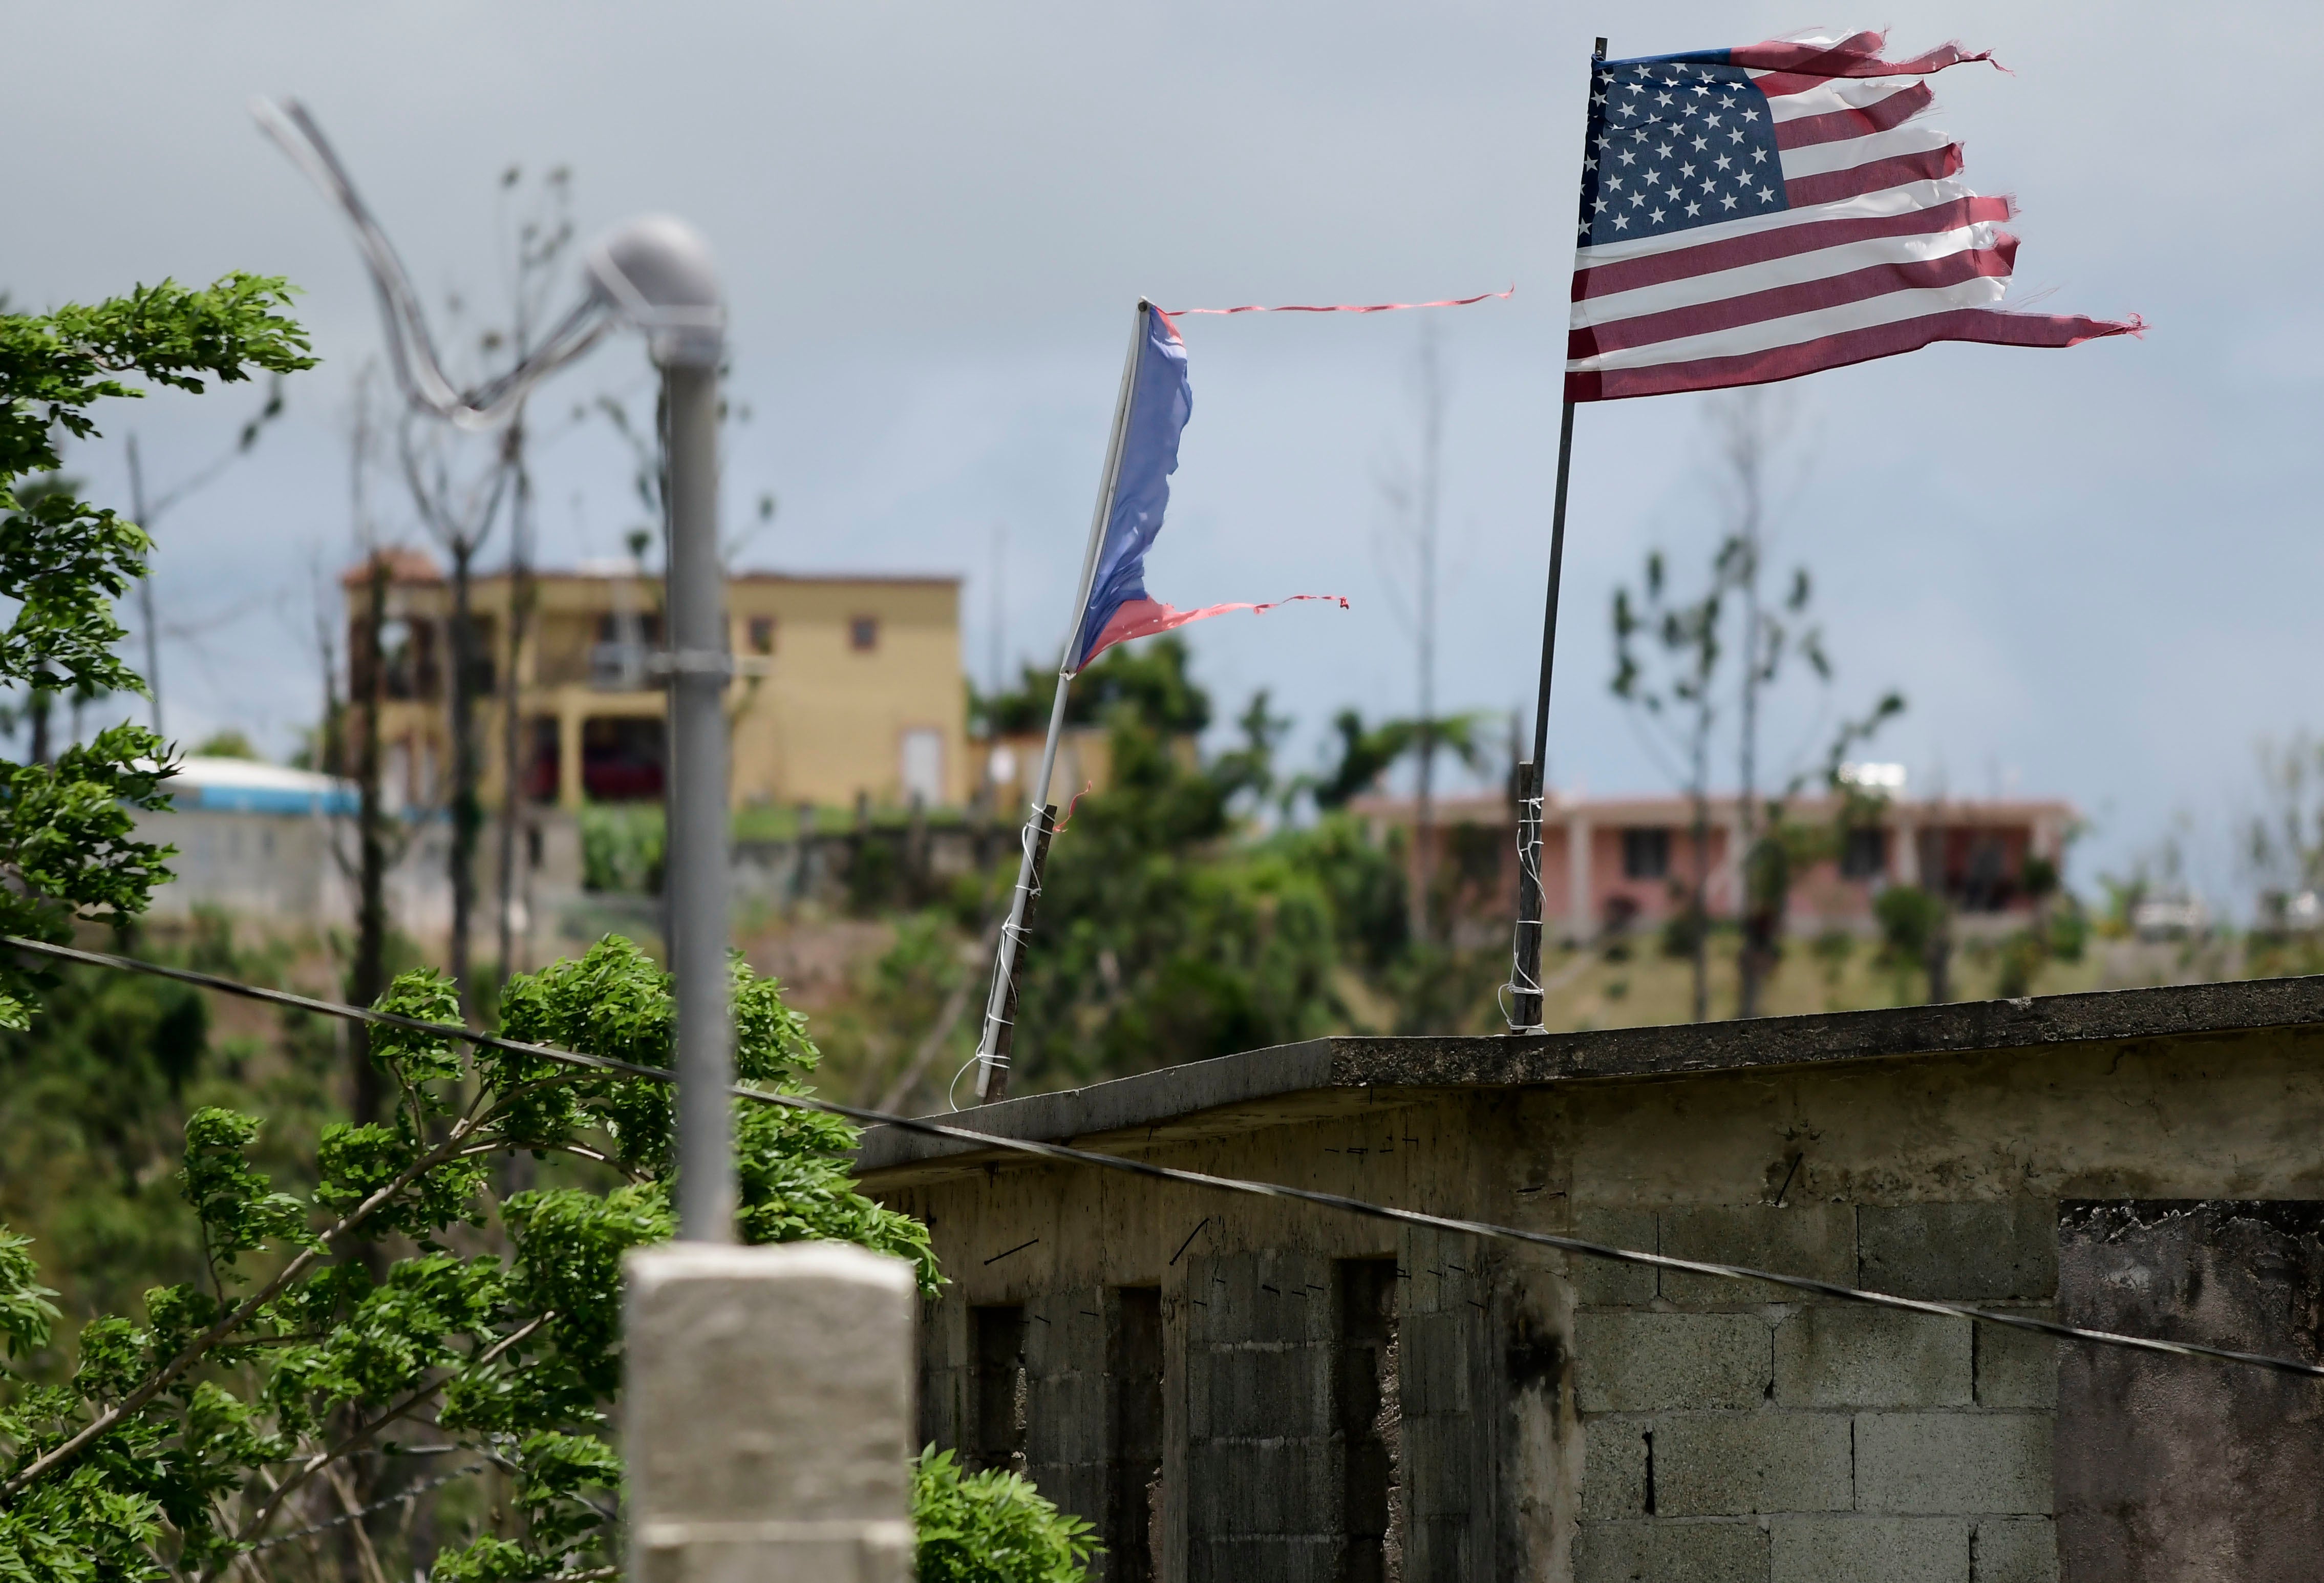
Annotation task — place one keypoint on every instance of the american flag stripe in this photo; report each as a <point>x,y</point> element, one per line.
<point>1947,207</point>
<point>1814,126</point>
<point>1624,310</point>
<point>1825,187</point>
<point>1854,311</point>
<point>1834,350</point>
<point>1765,212</point>
<point>1827,159</point>
<point>1750,311</point>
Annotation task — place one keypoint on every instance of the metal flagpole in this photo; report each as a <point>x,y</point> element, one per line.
<point>994,1041</point>
<point>1524,979</point>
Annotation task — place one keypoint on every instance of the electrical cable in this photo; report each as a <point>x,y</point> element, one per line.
<point>1062,1153</point>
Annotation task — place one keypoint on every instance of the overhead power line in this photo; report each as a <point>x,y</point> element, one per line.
<point>1195,1178</point>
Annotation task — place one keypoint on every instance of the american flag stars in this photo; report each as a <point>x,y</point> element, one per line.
<point>1672,147</point>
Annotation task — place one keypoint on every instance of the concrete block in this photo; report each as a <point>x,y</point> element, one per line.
<point>1614,1468</point>
<point>1066,1418</point>
<point>1292,1558</point>
<point>1649,1361</point>
<point>1255,1391</point>
<point>1443,1465</point>
<point>1815,1240</point>
<point>1259,1297</point>
<point>1247,1488</point>
<point>1967,1252</point>
<point>1433,1354</point>
<point>1870,1357</point>
<point>2016,1368</point>
<point>1439,1550</point>
<point>1602,1282</point>
<point>767,1412</point>
<point>1869,1550</point>
<point>2015,1550</point>
<point>1659,1550</point>
<point>1971,1462</point>
<point>1739,1465</point>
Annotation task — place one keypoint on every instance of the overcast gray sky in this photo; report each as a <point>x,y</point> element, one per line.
<point>2092,572</point>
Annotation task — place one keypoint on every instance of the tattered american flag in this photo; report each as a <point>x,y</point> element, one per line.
<point>1759,213</point>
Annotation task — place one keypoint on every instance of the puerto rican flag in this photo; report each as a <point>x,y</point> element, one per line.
<point>1755,213</point>
<point>1161,400</point>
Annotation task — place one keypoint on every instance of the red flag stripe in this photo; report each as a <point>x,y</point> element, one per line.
<point>1880,116</point>
<point>1629,274</point>
<point>1338,307</point>
<point>1143,618</point>
<point>1991,326</point>
<point>1857,285</point>
<point>1782,67</point>
<point>1873,176</point>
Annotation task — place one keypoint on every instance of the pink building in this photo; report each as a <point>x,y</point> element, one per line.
<point>1608,862</point>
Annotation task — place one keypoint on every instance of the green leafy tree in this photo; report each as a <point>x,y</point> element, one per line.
<point>1149,679</point>
<point>1362,753</point>
<point>1161,937</point>
<point>185,1437</point>
<point>67,846</point>
<point>990,1527</point>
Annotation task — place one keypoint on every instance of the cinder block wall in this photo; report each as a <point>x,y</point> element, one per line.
<point>1738,1433</point>
<point>1569,1419</point>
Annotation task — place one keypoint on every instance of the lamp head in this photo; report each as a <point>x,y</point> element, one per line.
<point>655,271</point>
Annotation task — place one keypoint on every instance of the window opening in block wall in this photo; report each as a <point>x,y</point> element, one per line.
<point>1864,852</point>
<point>1646,852</point>
<point>1133,1369</point>
<point>1369,1414</point>
<point>996,1426</point>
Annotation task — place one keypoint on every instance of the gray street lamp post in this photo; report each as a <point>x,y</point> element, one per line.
<point>655,273</point>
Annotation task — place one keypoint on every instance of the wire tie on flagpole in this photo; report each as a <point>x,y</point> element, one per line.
<point>1520,982</point>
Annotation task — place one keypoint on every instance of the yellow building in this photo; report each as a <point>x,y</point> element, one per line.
<point>850,687</point>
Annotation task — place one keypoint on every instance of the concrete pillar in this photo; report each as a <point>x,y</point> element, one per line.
<point>1731,866</point>
<point>769,1414</point>
<point>1904,853</point>
<point>568,759</point>
<point>1577,876</point>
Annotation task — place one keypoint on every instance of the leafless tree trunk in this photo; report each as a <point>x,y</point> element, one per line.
<point>1746,458</point>
<point>460,518</point>
<point>1751,425</point>
<point>1414,503</point>
<point>368,977</point>
<point>1432,448</point>
<point>467,766</point>
<point>542,237</point>
<point>520,621</point>
<point>1666,665</point>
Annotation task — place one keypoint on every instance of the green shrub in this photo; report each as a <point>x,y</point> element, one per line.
<point>2069,932</point>
<point>622,847</point>
<point>991,1527</point>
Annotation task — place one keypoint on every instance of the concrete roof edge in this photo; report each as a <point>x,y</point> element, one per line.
<point>1260,1076</point>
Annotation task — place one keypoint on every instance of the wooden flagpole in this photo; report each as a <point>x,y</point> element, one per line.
<point>997,1037</point>
<point>1525,1015</point>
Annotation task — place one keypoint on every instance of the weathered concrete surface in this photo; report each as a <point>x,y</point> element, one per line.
<point>768,1414</point>
<point>2191,1473</point>
<point>1566,1419</point>
<point>1239,1092</point>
